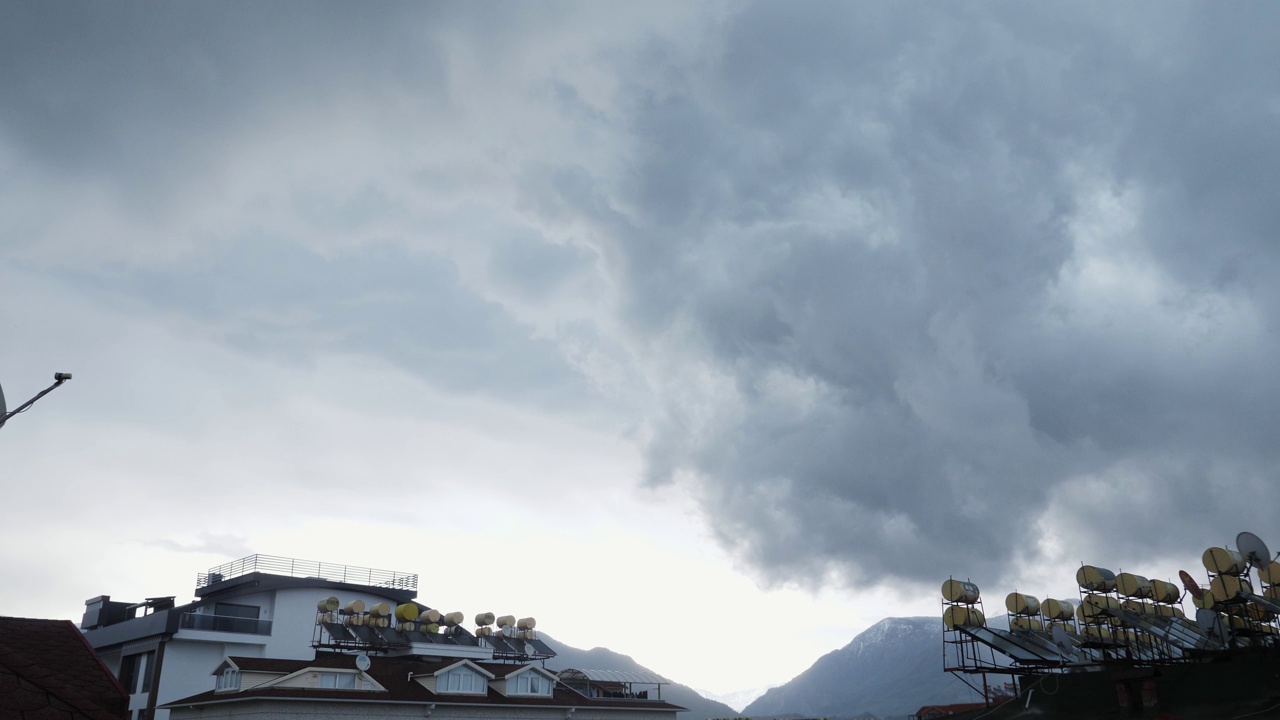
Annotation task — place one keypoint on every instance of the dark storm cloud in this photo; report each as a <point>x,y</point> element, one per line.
<point>145,93</point>
<point>908,282</point>
<point>910,388</point>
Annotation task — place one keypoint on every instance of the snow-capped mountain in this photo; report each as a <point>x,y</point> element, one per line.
<point>892,668</point>
<point>737,699</point>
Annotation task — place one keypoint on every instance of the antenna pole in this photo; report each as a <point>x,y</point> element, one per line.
<point>58,379</point>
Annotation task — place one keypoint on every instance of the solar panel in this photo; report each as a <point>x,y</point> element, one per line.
<point>364,632</point>
<point>1006,644</point>
<point>541,647</point>
<point>465,638</point>
<point>338,632</point>
<point>1175,631</point>
<point>1040,642</point>
<point>500,644</point>
<point>1264,601</point>
<point>391,636</point>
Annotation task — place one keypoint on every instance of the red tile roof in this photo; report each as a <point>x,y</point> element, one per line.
<point>49,672</point>
<point>393,674</point>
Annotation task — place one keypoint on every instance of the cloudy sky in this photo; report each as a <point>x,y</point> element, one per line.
<point>652,320</point>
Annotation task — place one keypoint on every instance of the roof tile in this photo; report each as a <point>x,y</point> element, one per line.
<point>48,670</point>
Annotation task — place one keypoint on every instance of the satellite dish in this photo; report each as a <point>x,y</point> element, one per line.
<point>1205,619</point>
<point>1190,584</point>
<point>3,410</point>
<point>1211,624</point>
<point>1063,641</point>
<point>1249,545</point>
<point>362,662</point>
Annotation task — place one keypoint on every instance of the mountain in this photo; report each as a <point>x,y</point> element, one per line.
<point>699,707</point>
<point>892,668</point>
<point>737,699</point>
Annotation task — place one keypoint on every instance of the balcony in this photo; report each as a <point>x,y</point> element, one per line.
<point>225,623</point>
<point>292,567</point>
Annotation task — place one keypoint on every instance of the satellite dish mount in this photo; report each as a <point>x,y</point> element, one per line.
<point>58,379</point>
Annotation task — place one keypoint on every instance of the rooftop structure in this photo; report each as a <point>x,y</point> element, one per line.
<point>268,606</point>
<point>1132,632</point>
<point>404,686</point>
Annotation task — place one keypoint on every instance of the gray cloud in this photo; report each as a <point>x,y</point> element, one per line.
<point>265,296</point>
<point>884,232</point>
<point>890,287</point>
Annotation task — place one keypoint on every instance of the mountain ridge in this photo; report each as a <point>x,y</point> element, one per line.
<point>892,668</point>
<point>600,658</point>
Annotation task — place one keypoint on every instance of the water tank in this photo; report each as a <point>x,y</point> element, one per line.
<point>1018,604</point>
<point>1205,601</point>
<point>1134,586</point>
<point>1270,574</point>
<point>1052,609</point>
<point>962,616</point>
<point>1096,579</point>
<point>1025,623</point>
<point>1165,592</point>
<point>1094,603</point>
<point>1096,632</point>
<point>1138,606</point>
<point>960,591</point>
<point>328,605</point>
<point>1066,627</point>
<point>1226,587</point>
<point>1223,560</point>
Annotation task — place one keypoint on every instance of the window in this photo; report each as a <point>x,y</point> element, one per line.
<point>531,683</point>
<point>461,680</point>
<point>229,679</point>
<point>338,681</point>
<point>135,672</point>
<point>230,617</point>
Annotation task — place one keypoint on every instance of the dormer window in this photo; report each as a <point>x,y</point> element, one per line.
<point>462,680</point>
<point>531,683</point>
<point>338,681</point>
<point>228,680</point>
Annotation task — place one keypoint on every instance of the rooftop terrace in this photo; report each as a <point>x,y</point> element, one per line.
<point>293,567</point>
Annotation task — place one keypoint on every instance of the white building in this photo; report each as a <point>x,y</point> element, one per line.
<point>257,607</point>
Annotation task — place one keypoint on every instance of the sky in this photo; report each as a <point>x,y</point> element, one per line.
<point>659,322</point>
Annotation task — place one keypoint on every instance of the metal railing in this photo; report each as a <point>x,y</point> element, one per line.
<point>225,623</point>
<point>293,567</point>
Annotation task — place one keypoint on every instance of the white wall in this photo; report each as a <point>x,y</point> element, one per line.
<point>192,656</point>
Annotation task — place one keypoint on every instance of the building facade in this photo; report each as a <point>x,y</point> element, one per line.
<point>259,606</point>
<point>279,637</point>
<point>343,685</point>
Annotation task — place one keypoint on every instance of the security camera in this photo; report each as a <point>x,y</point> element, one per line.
<point>61,376</point>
